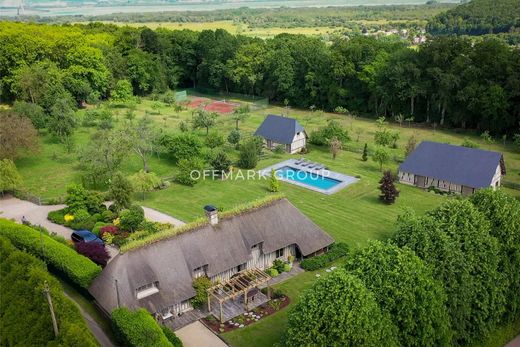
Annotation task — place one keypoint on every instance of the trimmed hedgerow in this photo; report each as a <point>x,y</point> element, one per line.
<point>336,251</point>
<point>25,313</point>
<point>199,223</point>
<point>78,268</point>
<point>170,335</point>
<point>138,329</point>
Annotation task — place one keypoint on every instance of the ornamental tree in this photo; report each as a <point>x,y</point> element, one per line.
<point>94,251</point>
<point>274,183</point>
<point>120,191</point>
<point>454,239</point>
<point>335,147</point>
<point>387,187</point>
<point>405,289</point>
<point>144,182</point>
<point>10,179</point>
<point>364,156</point>
<point>338,310</point>
<point>221,162</point>
<point>381,156</point>
<point>248,155</point>
<point>204,119</point>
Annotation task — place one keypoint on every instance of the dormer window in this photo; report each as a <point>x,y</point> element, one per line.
<point>279,252</point>
<point>147,290</point>
<point>200,271</point>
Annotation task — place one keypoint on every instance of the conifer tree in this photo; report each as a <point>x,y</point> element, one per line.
<point>364,157</point>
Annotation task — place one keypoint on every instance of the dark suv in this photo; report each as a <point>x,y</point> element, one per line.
<point>86,236</point>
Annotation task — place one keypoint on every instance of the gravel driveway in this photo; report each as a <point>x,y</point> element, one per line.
<point>197,335</point>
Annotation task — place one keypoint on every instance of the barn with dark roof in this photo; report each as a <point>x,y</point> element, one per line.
<point>452,168</point>
<point>285,131</point>
<point>159,276</point>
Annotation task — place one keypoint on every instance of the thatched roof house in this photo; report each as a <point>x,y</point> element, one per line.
<point>159,276</point>
<point>452,168</point>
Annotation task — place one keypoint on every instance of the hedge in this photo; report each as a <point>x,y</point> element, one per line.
<point>336,251</point>
<point>170,335</point>
<point>24,310</point>
<point>138,329</point>
<point>77,268</point>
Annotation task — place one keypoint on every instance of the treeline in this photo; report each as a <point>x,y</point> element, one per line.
<point>449,81</point>
<point>448,278</point>
<point>283,17</point>
<point>478,17</point>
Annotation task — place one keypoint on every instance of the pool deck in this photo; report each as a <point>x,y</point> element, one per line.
<point>345,180</point>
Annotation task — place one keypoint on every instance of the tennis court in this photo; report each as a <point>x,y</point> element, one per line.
<point>220,106</point>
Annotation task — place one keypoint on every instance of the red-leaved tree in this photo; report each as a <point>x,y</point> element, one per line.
<point>94,251</point>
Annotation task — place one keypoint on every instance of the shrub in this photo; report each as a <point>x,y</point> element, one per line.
<point>201,285</point>
<point>287,267</point>
<point>81,215</point>
<point>24,310</point>
<point>137,329</point>
<point>336,251</point>
<point>278,265</point>
<point>94,251</point>
<point>79,198</point>
<point>214,139</point>
<point>108,216</point>
<point>182,146</point>
<point>76,267</point>
<point>131,218</point>
<point>248,155</point>
<point>323,135</point>
<point>468,143</point>
<point>170,335</point>
<point>97,227</point>
<point>108,238</point>
<point>234,137</point>
<point>186,167</point>
<point>272,272</point>
<point>221,162</point>
<point>57,216</point>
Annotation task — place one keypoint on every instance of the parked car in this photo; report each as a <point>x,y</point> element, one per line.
<point>86,236</point>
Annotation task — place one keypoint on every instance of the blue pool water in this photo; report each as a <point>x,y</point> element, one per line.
<point>304,177</point>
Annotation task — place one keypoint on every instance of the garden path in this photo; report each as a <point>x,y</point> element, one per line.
<point>157,216</point>
<point>515,342</point>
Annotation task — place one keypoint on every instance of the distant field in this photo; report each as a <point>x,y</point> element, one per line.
<point>231,27</point>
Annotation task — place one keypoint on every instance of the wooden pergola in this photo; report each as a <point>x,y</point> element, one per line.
<point>241,284</point>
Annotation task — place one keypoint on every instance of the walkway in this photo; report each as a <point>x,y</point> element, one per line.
<point>156,216</point>
<point>514,343</point>
<point>97,331</point>
<point>197,335</point>
<point>13,208</point>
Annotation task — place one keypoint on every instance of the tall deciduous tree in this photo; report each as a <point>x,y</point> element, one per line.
<point>405,289</point>
<point>335,146</point>
<point>142,139</point>
<point>338,310</point>
<point>454,239</point>
<point>503,211</point>
<point>17,135</point>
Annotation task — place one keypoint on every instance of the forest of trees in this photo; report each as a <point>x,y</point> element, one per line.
<point>478,17</point>
<point>449,81</point>
<point>283,17</point>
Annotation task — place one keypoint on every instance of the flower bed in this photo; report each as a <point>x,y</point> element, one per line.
<point>247,318</point>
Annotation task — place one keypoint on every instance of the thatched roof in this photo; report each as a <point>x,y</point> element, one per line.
<point>220,247</point>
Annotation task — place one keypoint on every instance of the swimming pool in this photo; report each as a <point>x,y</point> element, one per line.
<point>308,178</point>
<point>314,177</point>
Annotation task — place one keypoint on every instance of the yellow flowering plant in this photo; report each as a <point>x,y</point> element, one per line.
<point>68,217</point>
<point>116,222</point>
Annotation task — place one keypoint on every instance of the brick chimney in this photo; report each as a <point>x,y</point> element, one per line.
<point>212,214</point>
